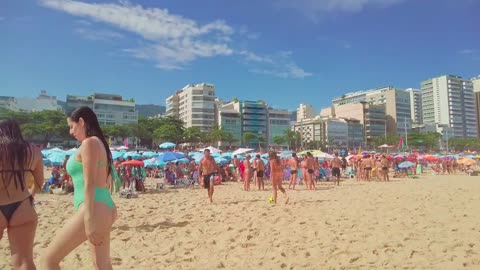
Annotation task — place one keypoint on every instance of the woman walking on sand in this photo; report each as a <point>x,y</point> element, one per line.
<point>91,170</point>
<point>276,175</point>
<point>19,163</point>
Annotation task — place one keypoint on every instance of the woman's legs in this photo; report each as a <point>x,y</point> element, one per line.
<point>65,241</point>
<point>73,234</point>
<point>101,254</point>
<point>21,233</point>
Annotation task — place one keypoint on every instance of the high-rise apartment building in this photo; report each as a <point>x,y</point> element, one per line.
<point>476,92</point>
<point>305,111</point>
<point>278,122</point>
<point>448,102</point>
<point>194,105</point>
<point>110,109</point>
<point>416,105</point>
<point>372,117</point>
<point>332,132</point>
<point>396,104</point>
<point>240,117</point>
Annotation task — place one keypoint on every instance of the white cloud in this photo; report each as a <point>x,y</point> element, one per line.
<point>171,41</point>
<point>467,51</point>
<point>279,65</point>
<point>102,35</point>
<point>314,9</point>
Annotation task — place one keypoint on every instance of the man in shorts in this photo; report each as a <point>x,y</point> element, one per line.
<point>385,166</point>
<point>336,164</point>
<point>206,172</point>
<point>260,171</point>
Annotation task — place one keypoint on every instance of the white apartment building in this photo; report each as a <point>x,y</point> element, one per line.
<point>110,109</point>
<point>395,101</point>
<point>476,92</point>
<point>448,101</point>
<point>305,111</point>
<point>43,102</point>
<point>194,105</point>
<point>416,105</point>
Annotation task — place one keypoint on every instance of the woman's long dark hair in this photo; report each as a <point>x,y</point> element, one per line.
<point>273,156</point>
<point>92,128</point>
<point>15,154</point>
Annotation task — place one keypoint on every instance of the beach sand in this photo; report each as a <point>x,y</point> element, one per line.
<point>428,223</point>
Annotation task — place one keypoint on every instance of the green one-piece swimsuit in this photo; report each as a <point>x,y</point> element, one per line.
<point>75,169</point>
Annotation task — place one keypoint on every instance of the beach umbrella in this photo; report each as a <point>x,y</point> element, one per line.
<point>212,149</point>
<point>149,154</point>
<point>265,161</point>
<point>71,151</point>
<point>240,151</point>
<point>466,161</point>
<point>46,162</point>
<point>167,145</point>
<point>220,160</point>
<point>56,159</point>
<point>122,148</point>
<point>324,156</point>
<point>133,163</point>
<point>406,164</point>
<point>134,155</point>
<point>471,156</point>
<point>183,160</point>
<point>117,155</point>
<point>169,156</point>
<point>227,156</point>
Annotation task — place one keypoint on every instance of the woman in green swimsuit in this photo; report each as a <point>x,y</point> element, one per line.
<point>95,212</point>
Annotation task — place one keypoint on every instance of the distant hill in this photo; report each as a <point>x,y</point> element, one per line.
<point>149,110</point>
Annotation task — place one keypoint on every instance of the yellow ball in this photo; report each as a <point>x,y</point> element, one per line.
<point>270,200</point>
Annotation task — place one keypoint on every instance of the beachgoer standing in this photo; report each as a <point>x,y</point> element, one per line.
<point>293,163</point>
<point>276,175</point>
<point>20,163</point>
<point>260,172</point>
<point>206,171</point>
<point>247,173</point>
<point>91,171</point>
<point>336,164</point>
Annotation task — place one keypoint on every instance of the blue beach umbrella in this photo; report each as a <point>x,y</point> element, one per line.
<point>167,145</point>
<point>57,158</point>
<point>406,164</point>
<point>46,162</point>
<point>168,156</point>
<point>150,154</point>
<point>116,155</point>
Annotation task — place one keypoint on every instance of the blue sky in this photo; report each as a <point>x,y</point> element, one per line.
<point>285,52</point>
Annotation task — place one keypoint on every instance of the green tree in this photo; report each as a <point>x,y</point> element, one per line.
<point>167,133</point>
<point>248,137</point>
<point>192,135</point>
<point>235,100</point>
<point>291,138</point>
<point>47,124</point>
<point>261,141</point>
<point>216,134</point>
<point>229,138</point>
<point>279,140</point>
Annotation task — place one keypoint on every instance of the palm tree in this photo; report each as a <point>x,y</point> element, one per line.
<point>248,137</point>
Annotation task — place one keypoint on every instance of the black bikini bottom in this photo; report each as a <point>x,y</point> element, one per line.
<point>9,209</point>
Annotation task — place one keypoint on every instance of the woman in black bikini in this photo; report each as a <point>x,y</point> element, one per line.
<point>19,161</point>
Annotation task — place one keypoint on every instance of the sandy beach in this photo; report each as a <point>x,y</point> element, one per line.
<point>428,223</point>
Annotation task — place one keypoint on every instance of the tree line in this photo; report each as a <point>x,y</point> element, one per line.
<point>46,126</point>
